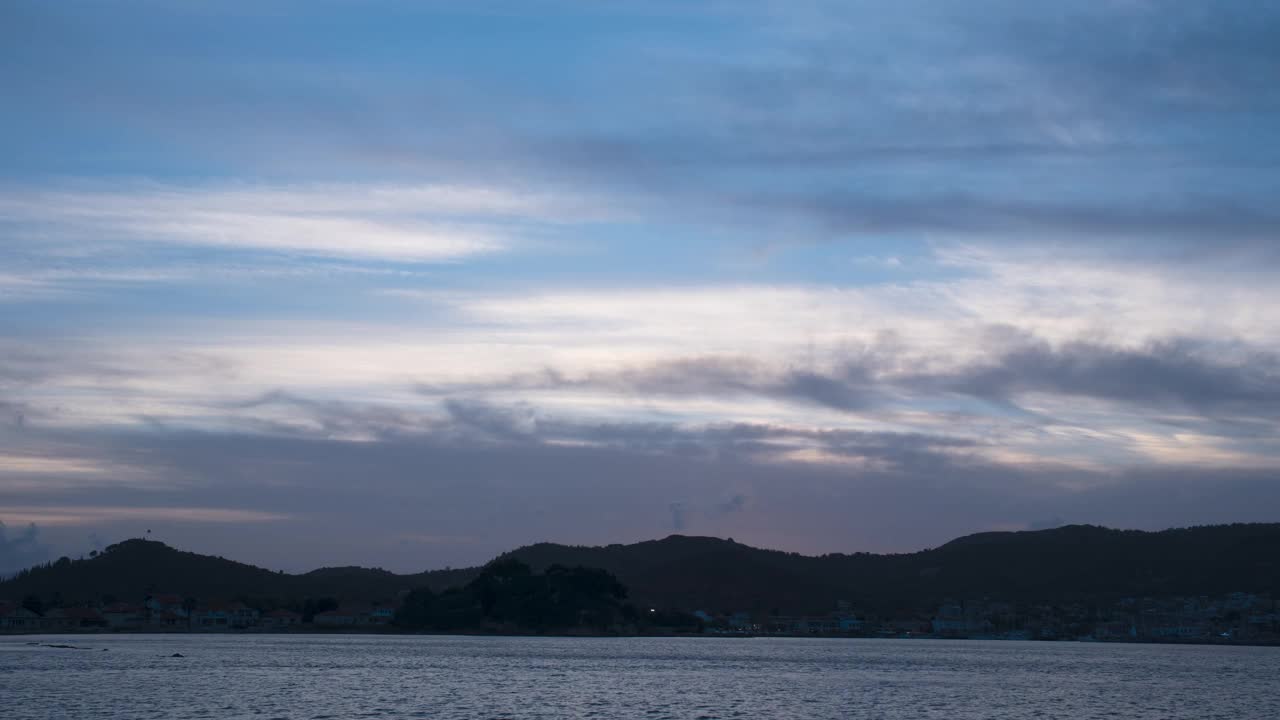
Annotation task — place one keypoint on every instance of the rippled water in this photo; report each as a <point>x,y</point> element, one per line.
<point>243,676</point>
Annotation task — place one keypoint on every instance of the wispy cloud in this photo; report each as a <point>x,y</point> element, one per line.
<point>420,223</point>
<point>61,515</point>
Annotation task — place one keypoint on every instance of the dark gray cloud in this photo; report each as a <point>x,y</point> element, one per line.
<point>503,495</point>
<point>1182,225</point>
<point>1175,375</point>
<point>1112,118</point>
<point>333,418</point>
<point>1175,56</point>
<point>20,549</point>
<point>1112,124</point>
<point>852,389</point>
<point>681,511</point>
<point>1047,523</point>
<point>1222,381</point>
<point>14,414</point>
<point>678,517</point>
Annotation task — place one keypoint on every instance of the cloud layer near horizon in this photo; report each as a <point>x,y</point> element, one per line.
<point>410,285</point>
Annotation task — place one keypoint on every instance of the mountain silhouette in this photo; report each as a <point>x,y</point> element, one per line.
<point>1076,563</point>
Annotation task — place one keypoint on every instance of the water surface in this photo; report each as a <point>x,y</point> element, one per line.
<point>314,677</point>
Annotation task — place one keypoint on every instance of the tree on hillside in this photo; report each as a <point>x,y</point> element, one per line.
<point>508,595</point>
<point>34,604</point>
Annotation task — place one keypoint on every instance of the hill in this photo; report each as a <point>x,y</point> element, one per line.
<point>1077,563</point>
<point>1069,564</point>
<point>135,568</point>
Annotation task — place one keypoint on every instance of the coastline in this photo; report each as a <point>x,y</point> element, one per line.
<point>398,632</point>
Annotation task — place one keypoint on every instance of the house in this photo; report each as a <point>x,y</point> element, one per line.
<point>1115,631</point>
<point>380,616</point>
<point>243,616</point>
<point>57,620</point>
<point>356,614</point>
<point>905,626</point>
<point>281,619</point>
<point>83,617</point>
<point>169,620</point>
<point>122,616</point>
<point>821,625</point>
<point>336,618</point>
<point>224,616</point>
<point>210,618</point>
<point>849,623</point>
<point>166,602</point>
<point>1178,629</point>
<point>955,620</point>
<point>18,619</point>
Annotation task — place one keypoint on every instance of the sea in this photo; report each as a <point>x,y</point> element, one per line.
<point>320,677</point>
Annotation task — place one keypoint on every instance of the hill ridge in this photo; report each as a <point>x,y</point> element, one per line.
<point>1065,564</point>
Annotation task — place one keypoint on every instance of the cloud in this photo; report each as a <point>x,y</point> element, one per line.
<point>1179,223</point>
<point>914,493</point>
<point>997,125</point>
<point>20,550</point>
<point>404,223</point>
<point>1001,358</point>
<point>1210,379</point>
<point>677,517</point>
<point>334,419</point>
<point>1177,375</point>
<point>685,516</point>
<point>452,274</point>
<point>1047,524</point>
<point>1120,119</point>
<point>62,515</point>
<point>704,376</point>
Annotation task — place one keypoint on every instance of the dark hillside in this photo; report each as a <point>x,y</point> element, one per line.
<point>134,568</point>
<point>1070,564</point>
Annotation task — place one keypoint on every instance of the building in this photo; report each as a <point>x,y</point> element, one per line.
<point>122,616</point>
<point>281,620</point>
<point>1115,631</point>
<point>15,618</point>
<point>166,602</point>
<point>224,616</point>
<point>336,618</point>
<point>67,619</point>
<point>59,620</point>
<point>849,623</point>
<point>950,620</point>
<point>355,614</point>
<point>380,616</point>
<point>169,620</point>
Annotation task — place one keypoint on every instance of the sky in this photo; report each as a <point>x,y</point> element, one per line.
<point>408,284</point>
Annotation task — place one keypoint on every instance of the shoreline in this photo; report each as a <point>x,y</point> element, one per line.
<point>586,635</point>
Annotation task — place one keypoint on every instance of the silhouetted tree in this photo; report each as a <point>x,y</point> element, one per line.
<point>507,594</point>
<point>34,604</point>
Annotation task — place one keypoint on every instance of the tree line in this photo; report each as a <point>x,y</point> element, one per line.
<point>509,596</point>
